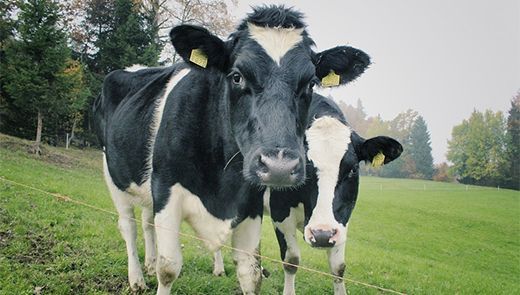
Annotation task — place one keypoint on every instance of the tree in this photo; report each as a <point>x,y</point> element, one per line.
<point>35,60</point>
<point>74,85</point>
<point>477,148</point>
<point>214,15</point>
<point>128,41</point>
<point>420,149</point>
<point>7,29</point>
<point>442,173</point>
<point>399,128</point>
<point>356,116</point>
<point>512,169</point>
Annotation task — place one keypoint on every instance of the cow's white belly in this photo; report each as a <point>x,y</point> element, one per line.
<point>212,230</point>
<point>134,194</point>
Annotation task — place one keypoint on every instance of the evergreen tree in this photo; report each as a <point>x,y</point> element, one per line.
<point>127,39</point>
<point>7,28</point>
<point>420,149</point>
<point>512,171</point>
<point>35,61</point>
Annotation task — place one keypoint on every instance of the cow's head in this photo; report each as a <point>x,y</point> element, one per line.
<point>269,70</point>
<point>335,152</point>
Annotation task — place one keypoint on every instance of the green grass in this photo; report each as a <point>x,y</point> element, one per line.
<point>417,237</point>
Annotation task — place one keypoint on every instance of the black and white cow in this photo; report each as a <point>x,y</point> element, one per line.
<point>197,140</point>
<point>321,208</point>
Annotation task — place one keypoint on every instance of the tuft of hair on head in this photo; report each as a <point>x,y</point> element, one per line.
<point>274,16</point>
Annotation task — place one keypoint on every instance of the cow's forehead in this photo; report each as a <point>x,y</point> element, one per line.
<point>276,42</point>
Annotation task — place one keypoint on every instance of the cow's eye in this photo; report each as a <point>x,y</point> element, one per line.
<point>237,78</point>
<point>311,85</point>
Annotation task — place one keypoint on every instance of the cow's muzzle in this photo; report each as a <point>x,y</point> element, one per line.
<point>322,236</point>
<point>279,168</point>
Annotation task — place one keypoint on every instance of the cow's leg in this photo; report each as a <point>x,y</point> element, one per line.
<point>128,230</point>
<point>289,251</point>
<point>167,226</point>
<point>149,240</point>
<point>246,239</point>
<point>218,264</point>
<point>337,267</point>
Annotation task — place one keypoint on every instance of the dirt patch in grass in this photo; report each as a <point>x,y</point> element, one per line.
<point>5,237</point>
<point>5,232</point>
<point>47,154</point>
<point>39,251</point>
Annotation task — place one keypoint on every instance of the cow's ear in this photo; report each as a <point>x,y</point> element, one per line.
<point>380,150</point>
<point>198,47</point>
<point>340,65</point>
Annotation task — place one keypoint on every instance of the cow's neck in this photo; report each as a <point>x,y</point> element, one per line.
<point>218,127</point>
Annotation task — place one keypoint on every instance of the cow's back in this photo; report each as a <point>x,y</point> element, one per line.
<point>124,113</point>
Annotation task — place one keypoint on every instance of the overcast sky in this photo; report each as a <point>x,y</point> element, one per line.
<point>443,58</point>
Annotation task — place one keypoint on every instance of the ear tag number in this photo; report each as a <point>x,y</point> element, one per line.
<point>331,80</point>
<point>199,58</point>
<point>378,160</point>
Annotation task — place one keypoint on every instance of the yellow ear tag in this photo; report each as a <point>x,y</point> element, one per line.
<point>332,79</point>
<point>199,58</point>
<point>378,160</point>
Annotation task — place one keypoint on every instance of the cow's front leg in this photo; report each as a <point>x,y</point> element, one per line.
<point>246,239</point>
<point>150,256</point>
<point>290,253</point>
<point>218,264</point>
<point>169,260</point>
<point>336,257</point>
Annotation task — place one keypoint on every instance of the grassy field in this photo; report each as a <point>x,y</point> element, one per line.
<point>416,237</point>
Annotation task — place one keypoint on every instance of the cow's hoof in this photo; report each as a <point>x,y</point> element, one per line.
<point>138,285</point>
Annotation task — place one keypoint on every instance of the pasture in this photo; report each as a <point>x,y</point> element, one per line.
<point>416,237</point>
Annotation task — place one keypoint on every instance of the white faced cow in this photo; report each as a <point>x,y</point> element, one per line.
<point>199,138</point>
<point>321,208</point>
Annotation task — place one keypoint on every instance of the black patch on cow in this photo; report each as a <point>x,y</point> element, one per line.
<point>282,243</point>
<point>292,268</point>
<point>127,162</point>
<point>340,272</point>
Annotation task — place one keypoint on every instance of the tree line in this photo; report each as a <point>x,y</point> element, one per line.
<point>483,150</point>
<point>54,55</point>
<point>409,128</point>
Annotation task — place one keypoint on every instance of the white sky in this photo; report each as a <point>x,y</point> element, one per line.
<point>442,58</point>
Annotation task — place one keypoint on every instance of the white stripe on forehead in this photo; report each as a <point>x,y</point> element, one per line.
<point>327,141</point>
<point>276,41</point>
